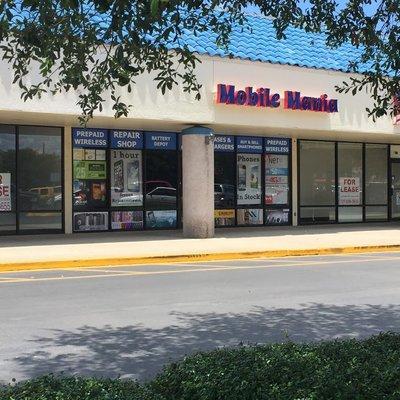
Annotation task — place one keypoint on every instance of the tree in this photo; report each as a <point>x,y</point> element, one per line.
<point>96,46</point>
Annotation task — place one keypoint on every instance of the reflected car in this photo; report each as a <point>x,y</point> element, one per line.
<point>165,196</point>
<point>224,195</point>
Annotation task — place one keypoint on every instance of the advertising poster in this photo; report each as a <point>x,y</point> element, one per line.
<point>276,179</point>
<point>126,178</point>
<point>161,219</point>
<point>224,217</point>
<point>5,191</point>
<point>250,216</point>
<point>127,220</point>
<point>90,193</point>
<point>90,169</point>
<point>249,179</point>
<point>350,191</point>
<point>277,217</point>
<point>90,221</point>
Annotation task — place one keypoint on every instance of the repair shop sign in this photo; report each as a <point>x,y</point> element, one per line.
<point>350,191</point>
<point>5,191</point>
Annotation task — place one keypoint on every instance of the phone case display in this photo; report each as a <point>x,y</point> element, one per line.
<point>250,216</point>
<point>224,217</point>
<point>161,219</point>
<point>90,221</point>
<point>277,217</point>
<point>127,220</point>
<point>249,179</point>
<point>276,179</point>
<point>126,178</point>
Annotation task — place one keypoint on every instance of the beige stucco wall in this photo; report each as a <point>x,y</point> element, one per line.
<point>176,109</point>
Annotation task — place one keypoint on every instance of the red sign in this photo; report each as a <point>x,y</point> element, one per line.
<point>263,97</point>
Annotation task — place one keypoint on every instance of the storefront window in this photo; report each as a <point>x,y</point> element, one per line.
<point>90,194</point>
<point>350,182</point>
<point>161,185</point>
<point>356,200</point>
<point>376,174</point>
<point>276,179</point>
<point>251,181</point>
<point>317,173</point>
<point>126,180</point>
<point>224,180</point>
<point>7,179</point>
<point>40,177</point>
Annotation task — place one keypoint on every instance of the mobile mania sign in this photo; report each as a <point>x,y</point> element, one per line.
<point>263,97</point>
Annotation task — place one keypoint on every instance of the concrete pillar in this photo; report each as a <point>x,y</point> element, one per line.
<point>295,217</point>
<point>198,182</point>
<point>67,179</point>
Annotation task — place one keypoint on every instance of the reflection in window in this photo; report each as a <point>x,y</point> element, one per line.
<point>40,175</point>
<point>350,174</point>
<point>375,174</point>
<point>317,173</point>
<point>7,170</point>
<point>224,180</point>
<point>161,181</point>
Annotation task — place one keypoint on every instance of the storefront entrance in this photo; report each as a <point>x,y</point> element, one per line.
<point>395,190</point>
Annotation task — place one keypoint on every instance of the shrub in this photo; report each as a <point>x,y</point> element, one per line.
<point>51,387</point>
<point>341,369</point>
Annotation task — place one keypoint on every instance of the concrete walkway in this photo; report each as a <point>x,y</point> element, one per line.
<point>45,251</point>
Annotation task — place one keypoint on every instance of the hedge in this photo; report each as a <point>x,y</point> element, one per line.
<point>51,387</point>
<point>340,369</point>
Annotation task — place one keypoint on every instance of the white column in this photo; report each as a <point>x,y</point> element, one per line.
<point>67,179</point>
<point>198,182</point>
<point>295,217</point>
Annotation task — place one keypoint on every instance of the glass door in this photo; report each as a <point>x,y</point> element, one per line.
<point>395,189</point>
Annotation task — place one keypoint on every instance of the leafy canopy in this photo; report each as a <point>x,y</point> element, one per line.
<point>97,46</point>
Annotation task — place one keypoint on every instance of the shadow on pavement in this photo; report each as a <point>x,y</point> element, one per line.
<point>140,352</point>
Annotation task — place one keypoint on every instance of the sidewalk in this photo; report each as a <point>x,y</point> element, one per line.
<point>117,248</point>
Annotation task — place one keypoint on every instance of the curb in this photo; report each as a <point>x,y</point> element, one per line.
<point>115,262</point>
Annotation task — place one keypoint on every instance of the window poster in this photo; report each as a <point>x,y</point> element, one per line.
<point>90,174</point>
<point>90,193</point>
<point>250,216</point>
<point>127,220</point>
<point>276,179</point>
<point>126,178</point>
<point>349,191</point>
<point>161,219</point>
<point>5,191</point>
<point>277,217</point>
<point>249,179</point>
<point>224,217</point>
<point>90,221</point>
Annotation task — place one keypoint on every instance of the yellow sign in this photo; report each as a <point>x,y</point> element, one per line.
<point>224,214</point>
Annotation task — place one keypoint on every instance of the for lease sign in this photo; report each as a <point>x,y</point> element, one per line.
<point>350,191</point>
<point>5,191</point>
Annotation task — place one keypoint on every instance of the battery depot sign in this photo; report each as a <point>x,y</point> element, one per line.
<point>264,98</point>
<point>350,192</point>
<point>5,191</point>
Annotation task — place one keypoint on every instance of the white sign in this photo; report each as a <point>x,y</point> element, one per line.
<point>5,191</point>
<point>350,191</point>
<point>249,179</point>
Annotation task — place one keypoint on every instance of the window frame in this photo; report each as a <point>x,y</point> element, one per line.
<point>336,206</point>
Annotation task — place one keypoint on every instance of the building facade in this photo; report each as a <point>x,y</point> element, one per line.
<point>269,143</point>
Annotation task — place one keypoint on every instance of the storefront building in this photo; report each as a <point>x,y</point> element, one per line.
<point>269,143</point>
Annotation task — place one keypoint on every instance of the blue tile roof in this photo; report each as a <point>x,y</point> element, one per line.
<point>300,48</point>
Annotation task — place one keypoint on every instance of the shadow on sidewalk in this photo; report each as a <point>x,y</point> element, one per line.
<point>140,352</point>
